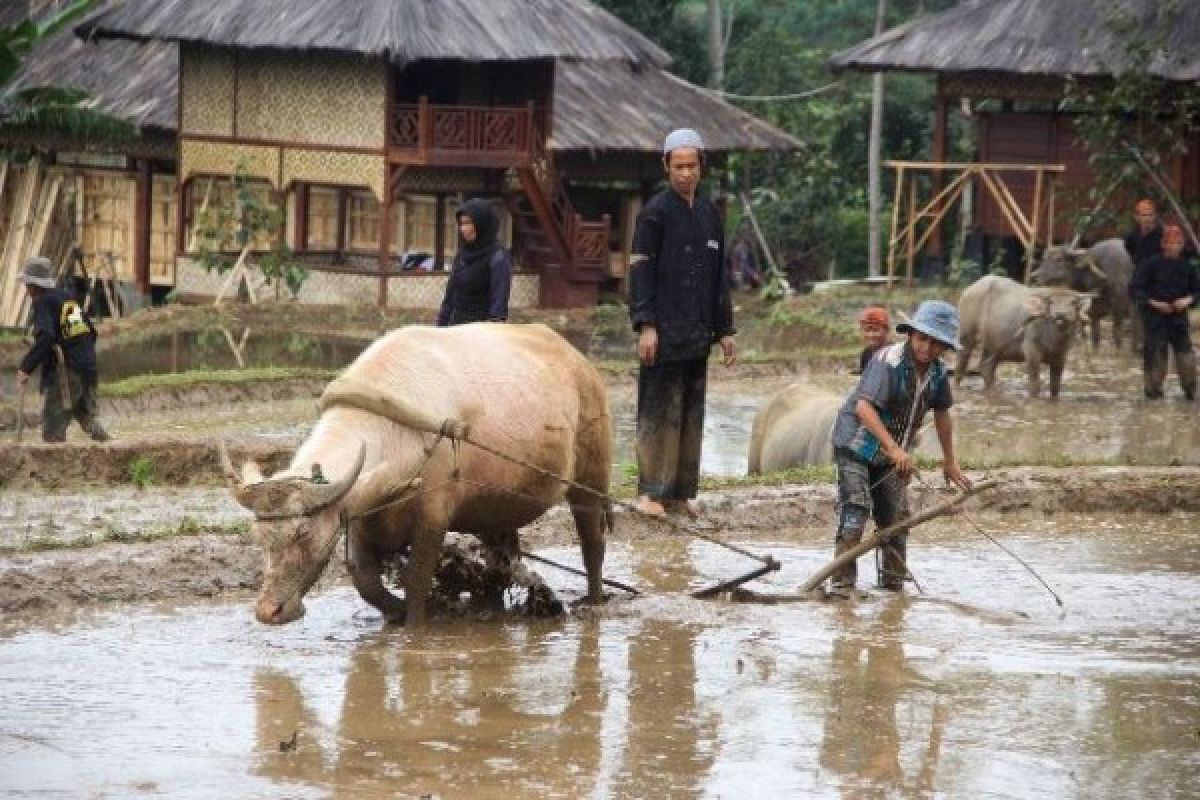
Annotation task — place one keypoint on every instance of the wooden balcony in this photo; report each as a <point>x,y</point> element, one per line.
<point>467,136</point>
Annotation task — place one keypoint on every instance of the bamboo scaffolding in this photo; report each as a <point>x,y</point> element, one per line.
<point>913,224</point>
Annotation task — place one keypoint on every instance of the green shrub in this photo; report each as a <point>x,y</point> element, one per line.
<point>141,472</point>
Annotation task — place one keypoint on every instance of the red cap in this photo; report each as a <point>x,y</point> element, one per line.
<point>874,315</point>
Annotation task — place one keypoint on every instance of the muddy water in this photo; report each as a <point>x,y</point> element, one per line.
<point>981,688</point>
<point>30,517</point>
<point>221,348</point>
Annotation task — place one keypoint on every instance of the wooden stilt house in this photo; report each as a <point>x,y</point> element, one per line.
<point>1007,63</point>
<point>369,122</point>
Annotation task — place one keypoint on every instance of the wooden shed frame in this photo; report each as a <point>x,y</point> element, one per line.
<point>913,228</point>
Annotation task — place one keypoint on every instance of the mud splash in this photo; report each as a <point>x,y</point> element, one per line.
<point>983,688</point>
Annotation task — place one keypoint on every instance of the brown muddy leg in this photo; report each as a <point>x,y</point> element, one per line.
<point>1033,369</point>
<point>366,572</point>
<point>424,553</point>
<point>591,518</point>
<point>987,368</point>
<point>1056,371</point>
<point>963,360</point>
<point>1185,363</point>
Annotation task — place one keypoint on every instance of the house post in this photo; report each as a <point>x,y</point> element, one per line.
<point>143,201</point>
<point>439,233</point>
<point>940,136</point>
<point>385,235</point>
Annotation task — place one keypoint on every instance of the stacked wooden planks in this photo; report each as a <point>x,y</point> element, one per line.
<point>35,196</point>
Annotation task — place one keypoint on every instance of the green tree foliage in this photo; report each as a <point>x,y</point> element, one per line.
<point>226,229</point>
<point>664,22</point>
<point>812,205</point>
<point>814,214</point>
<point>1135,112</point>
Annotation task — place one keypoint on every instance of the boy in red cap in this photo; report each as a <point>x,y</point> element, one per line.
<point>1164,287</point>
<point>874,324</point>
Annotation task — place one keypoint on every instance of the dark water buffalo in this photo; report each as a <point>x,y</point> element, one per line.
<point>793,429</point>
<point>1104,271</point>
<point>523,390</point>
<point>1008,321</point>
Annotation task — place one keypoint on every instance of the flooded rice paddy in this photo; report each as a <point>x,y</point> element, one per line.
<point>1100,417</point>
<point>981,687</point>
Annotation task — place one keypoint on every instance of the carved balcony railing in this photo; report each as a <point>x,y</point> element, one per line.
<point>455,135</point>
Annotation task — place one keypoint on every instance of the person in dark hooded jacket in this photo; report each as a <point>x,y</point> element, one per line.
<point>481,276</point>
<point>60,326</point>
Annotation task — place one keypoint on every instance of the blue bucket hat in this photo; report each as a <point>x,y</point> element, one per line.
<point>936,319</point>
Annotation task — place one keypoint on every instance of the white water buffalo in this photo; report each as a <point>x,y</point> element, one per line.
<point>1104,271</point>
<point>793,429</point>
<point>1012,322</point>
<point>520,389</point>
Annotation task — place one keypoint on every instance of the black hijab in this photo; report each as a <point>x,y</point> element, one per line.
<point>478,252</point>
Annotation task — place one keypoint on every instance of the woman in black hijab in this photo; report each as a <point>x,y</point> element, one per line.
<point>481,277</point>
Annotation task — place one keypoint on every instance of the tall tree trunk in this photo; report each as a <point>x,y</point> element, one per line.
<point>874,148</point>
<point>716,45</point>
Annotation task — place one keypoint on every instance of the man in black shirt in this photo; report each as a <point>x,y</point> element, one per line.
<point>679,304</point>
<point>60,327</point>
<point>1164,287</point>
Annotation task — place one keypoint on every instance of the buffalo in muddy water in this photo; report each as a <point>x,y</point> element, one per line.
<point>793,429</point>
<point>376,464</point>
<point>1008,321</point>
<point>1104,271</point>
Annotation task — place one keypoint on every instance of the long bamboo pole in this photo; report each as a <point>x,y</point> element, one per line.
<point>1036,216</point>
<point>891,259</point>
<point>880,537</point>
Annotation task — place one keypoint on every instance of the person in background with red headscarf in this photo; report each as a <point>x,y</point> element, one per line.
<point>1164,287</point>
<point>874,325</point>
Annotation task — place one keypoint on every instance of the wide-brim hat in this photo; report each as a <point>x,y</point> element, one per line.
<point>937,320</point>
<point>38,272</point>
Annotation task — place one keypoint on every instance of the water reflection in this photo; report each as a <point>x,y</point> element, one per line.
<point>222,347</point>
<point>989,691</point>
<point>869,677</point>
<point>670,740</point>
<point>520,716</point>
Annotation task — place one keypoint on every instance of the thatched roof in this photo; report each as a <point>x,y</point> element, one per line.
<point>610,105</point>
<point>401,30</point>
<point>1034,37</point>
<point>129,80</point>
<point>598,106</point>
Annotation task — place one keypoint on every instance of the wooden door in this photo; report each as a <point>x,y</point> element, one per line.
<point>108,209</point>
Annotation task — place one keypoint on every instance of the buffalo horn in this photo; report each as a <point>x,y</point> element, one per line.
<point>319,495</point>
<point>242,492</point>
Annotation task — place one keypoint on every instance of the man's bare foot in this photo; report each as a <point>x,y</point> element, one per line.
<point>648,505</point>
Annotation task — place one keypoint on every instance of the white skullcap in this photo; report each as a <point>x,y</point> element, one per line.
<point>683,137</point>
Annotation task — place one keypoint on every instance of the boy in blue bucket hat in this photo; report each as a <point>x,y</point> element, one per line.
<point>876,430</point>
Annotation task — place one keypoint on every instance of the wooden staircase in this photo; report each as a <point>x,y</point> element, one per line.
<point>570,253</point>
